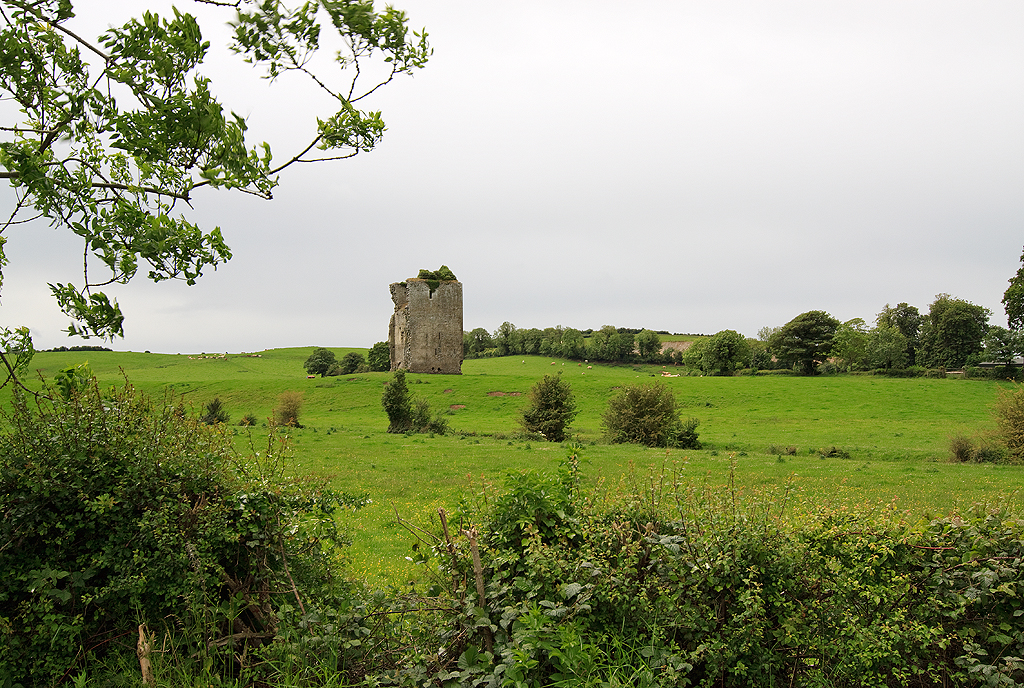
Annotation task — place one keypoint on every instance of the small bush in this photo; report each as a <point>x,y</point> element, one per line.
<point>333,371</point>
<point>833,453</point>
<point>647,414</point>
<point>1009,414</point>
<point>214,413</point>
<point>248,420</point>
<point>406,414</point>
<point>288,406</point>
<point>961,448</point>
<point>550,408</point>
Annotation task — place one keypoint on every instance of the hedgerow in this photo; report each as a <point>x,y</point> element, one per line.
<point>671,584</point>
<point>121,517</point>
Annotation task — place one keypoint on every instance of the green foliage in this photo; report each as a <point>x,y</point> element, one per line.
<point>1003,345</point>
<point>647,414</point>
<point>406,413</point>
<point>109,148</point>
<point>379,357</point>
<point>952,332</point>
<point>477,342</point>
<point>351,362</point>
<point>1013,299</point>
<point>887,347</point>
<point>550,408</point>
<point>724,352</point>
<point>214,412</point>
<point>71,381</point>
<point>850,345</point>
<point>648,344</point>
<point>435,277</point>
<point>320,361</point>
<point>670,584</point>
<point>117,511</point>
<point>908,320</point>
<point>1009,415</point>
<point>804,341</point>
<point>397,403</point>
<point>289,404</point>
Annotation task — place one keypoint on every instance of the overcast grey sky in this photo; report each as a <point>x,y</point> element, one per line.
<point>681,166</point>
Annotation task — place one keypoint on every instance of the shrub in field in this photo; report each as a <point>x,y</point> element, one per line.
<point>287,410</point>
<point>397,403</point>
<point>248,420</point>
<point>214,413</point>
<point>406,414</point>
<point>550,408</point>
<point>647,414</point>
<point>117,511</point>
<point>1009,414</point>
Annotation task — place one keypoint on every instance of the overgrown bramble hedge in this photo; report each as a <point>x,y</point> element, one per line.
<point>678,586</point>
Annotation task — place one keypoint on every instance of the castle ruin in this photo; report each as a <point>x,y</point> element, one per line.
<point>425,335</point>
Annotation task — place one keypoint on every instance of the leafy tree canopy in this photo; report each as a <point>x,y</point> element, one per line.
<point>1013,299</point>
<point>111,137</point>
<point>805,340</point>
<point>320,361</point>
<point>379,357</point>
<point>724,352</point>
<point>952,332</point>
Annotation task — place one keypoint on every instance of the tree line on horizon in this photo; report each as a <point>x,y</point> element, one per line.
<point>953,334</point>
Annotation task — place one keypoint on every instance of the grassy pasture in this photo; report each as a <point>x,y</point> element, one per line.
<point>896,431</point>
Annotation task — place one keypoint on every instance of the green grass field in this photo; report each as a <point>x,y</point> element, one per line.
<point>895,430</point>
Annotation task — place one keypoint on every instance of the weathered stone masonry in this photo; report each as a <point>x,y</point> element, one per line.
<point>425,335</point>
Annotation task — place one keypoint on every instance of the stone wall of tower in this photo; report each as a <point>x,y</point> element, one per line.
<point>425,335</point>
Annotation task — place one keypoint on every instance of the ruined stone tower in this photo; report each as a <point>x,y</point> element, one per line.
<point>425,335</point>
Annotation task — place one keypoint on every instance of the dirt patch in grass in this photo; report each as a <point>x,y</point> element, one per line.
<point>456,407</point>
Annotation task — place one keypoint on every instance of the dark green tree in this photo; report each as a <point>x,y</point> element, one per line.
<point>804,341</point>
<point>320,361</point>
<point>1013,299</point>
<point>397,403</point>
<point>503,338</point>
<point>850,343</point>
<point>379,357</point>
<point>648,344</point>
<point>112,148</point>
<point>573,344</point>
<point>479,341</point>
<point>953,332</point>
<point>886,348</point>
<point>351,362</point>
<point>908,320</point>
<point>406,413</point>
<point>550,408</point>
<point>214,412</point>
<point>1003,345</point>
<point>724,352</point>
